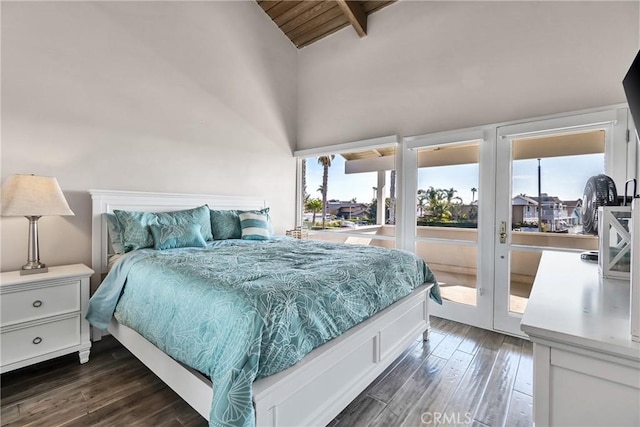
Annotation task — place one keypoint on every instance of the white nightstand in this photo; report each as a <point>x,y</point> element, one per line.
<point>42,315</point>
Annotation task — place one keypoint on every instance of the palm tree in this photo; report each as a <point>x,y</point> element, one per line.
<point>422,198</point>
<point>474,190</point>
<point>325,161</point>
<point>455,208</point>
<point>315,206</point>
<point>450,193</point>
<point>452,205</point>
<point>443,204</point>
<point>436,201</point>
<point>305,195</point>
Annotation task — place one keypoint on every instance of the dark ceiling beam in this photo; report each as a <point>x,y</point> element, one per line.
<point>356,16</point>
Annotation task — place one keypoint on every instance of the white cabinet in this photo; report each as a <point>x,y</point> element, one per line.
<point>42,315</point>
<point>586,367</point>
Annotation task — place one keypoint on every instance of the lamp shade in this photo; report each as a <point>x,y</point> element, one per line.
<point>32,195</point>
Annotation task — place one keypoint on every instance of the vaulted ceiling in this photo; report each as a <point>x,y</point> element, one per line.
<point>308,21</point>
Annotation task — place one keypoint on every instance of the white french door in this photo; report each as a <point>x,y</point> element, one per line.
<point>448,215</point>
<point>541,170</point>
<point>512,191</point>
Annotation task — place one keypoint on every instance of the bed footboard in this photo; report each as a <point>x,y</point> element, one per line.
<point>314,391</point>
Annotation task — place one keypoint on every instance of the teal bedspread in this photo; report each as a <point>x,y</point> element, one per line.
<point>241,310</point>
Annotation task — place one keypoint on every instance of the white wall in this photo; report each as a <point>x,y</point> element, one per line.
<point>196,97</point>
<point>430,66</point>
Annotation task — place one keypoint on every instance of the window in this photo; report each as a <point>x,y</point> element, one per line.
<point>549,175</point>
<point>350,196</point>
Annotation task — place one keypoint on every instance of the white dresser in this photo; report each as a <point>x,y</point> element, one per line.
<point>42,315</point>
<point>586,367</point>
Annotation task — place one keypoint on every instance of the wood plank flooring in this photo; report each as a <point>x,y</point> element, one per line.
<point>461,376</point>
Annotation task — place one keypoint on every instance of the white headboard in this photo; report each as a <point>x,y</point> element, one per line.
<point>105,201</point>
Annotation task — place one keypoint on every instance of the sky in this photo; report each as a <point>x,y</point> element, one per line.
<point>341,186</point>
<point>564,177</point>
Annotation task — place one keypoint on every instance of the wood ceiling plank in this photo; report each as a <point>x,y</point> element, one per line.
<point>308,15</point>
<point>353,11</point>
<point>328,33</point>
<point>282,7</point>
<point>329,14</point>
<point>324,30</point>
<point>307,21</point>
<point>267,4</point>
<point>294,12</point>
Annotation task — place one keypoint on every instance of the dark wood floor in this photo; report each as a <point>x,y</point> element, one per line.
<point>461,376</point>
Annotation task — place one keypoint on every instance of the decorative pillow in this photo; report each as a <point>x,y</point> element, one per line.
<point>135,225</point>
<point>255,226</point>
<point>199,215</point>
<point>225,224</point>
<point>135,229</point>
<point>115,233</point>
<point>170,236</point>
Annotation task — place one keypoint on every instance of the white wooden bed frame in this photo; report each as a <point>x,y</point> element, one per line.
<point>313,391</point>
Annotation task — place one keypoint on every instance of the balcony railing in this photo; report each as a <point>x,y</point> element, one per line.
<point>461,258</point>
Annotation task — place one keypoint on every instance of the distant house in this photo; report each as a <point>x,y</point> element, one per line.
<point>555,214</point>
<point>524,209</point>
<point>346,210</point>
<point>574,208</point>
<point>470,211</point>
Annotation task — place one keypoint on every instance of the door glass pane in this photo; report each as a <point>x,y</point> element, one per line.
<point>548,178</point>
<point>549,175</point>
<point>523,267</point>
<point>350,194</point>
<point>447,217</point>
<point>455,268</point>
<point>448,190</point>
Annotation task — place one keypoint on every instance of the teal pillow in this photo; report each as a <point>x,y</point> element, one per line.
<point>115,233</point>
<point>135,225</point>
<point>255,226</point>
<point>199,215</point>
<point>225,224</point>
<point>135,229</point>
<point>170,236</point>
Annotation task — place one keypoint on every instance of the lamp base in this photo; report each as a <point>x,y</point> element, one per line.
<point>34,271</point>
<point>33,267</point>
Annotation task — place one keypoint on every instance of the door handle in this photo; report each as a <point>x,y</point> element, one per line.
<point>503,232</point>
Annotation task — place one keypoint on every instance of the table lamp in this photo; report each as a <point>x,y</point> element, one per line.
<point>33,196</point>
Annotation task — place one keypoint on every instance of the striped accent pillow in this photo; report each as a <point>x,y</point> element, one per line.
<point>255,226</point>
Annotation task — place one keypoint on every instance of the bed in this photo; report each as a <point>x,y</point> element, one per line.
<point>311,392</point>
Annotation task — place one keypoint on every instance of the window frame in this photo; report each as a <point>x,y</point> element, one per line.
<point>361,145</point>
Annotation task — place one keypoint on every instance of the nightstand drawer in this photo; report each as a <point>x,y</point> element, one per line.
<point>29,304</point>
<point>33,341</point>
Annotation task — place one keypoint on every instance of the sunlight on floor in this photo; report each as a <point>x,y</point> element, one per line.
<point>357,240</point>
<point>461,288</point>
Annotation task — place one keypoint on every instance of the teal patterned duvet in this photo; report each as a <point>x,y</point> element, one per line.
<point>241,310</point>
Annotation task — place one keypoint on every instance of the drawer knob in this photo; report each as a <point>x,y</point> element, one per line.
<point>37,340</point>
<point>37,303</point>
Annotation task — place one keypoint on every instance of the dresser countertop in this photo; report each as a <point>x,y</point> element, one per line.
<point>571,303</point>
